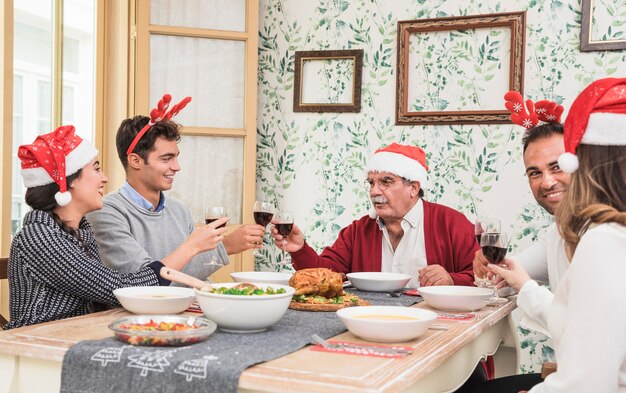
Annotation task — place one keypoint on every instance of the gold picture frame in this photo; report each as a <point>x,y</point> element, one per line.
<point>328,81</point>
<point>449,33</point>
<point>587,42</point>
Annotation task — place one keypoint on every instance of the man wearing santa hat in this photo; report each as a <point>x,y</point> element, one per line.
<point>403,233</point>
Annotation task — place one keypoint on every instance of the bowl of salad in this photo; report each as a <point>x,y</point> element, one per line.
<point>162,330</point>
<point>244,307</point>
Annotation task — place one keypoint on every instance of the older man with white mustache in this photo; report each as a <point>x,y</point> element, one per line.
<point>403,233</point>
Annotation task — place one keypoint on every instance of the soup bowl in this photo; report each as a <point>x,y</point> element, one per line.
<point>378,281</point>
<point>262,277</point>
<point>245,313</point>
<point>456,298</point>
<point>155,300</point>
<point>386,323</point>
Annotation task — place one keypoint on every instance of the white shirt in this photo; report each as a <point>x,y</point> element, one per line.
<point>410,254</point>
<point>587,318</point>
<point>546,261</point>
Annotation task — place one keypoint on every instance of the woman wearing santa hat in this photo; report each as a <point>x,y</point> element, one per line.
<point>55,270</point>
<point>587,318</point>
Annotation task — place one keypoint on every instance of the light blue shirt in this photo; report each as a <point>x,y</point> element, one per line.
<point>130,193</point>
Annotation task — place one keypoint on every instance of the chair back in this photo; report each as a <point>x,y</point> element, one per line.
<point>4,268</point>
<point>4,274</point>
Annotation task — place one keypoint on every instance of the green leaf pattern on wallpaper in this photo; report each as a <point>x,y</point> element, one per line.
<point>313,163</point>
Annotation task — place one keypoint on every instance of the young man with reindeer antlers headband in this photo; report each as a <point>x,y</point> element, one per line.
<point>137,225</point>
<point>546,259</point>
<point>587,316</point>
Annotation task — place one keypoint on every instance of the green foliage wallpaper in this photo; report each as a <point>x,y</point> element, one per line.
<point>313,163</point>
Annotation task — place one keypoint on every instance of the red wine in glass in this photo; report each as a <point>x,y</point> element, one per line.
<point>494,254</point>
<point>263,212</point>
<point>284,229</point>
<point>263,218</point>
<point>494,247</point>
<point>210,220</point>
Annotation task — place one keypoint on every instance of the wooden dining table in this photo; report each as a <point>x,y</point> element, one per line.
<point>442,359</point>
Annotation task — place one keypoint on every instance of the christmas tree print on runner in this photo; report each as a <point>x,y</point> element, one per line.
<point>109,355</point>
<point>151,361</point>
<point>195,368</point>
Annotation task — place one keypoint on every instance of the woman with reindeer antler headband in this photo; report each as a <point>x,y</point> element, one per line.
<point>138,224</point>
<point>587,317</point>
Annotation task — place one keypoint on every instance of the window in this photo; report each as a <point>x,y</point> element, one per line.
<point>44,97</point>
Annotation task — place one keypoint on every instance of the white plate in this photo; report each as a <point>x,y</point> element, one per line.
<point>262,277</point>
<point>155,300</point>
<point>456,298</point>
<point>404,323</point>
<point>378,281</point>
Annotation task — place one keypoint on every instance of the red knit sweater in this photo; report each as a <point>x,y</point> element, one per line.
<point>448,234</point>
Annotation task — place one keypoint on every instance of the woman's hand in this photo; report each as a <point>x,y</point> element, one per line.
<point>514,274</point>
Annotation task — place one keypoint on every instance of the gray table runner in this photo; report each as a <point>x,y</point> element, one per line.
<point>213,365</point>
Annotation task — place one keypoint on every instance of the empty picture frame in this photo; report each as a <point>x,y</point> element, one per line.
<point>603,26</point>
<point>327,81</point>
<point>456,70</point>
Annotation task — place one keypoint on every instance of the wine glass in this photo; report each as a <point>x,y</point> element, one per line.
<point>494,247</point>
<point>485,225</point>
<point>284,224</point>
<point>263,212</point>
<point>213,213</point>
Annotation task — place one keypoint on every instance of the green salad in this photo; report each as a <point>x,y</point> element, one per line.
<point>248,291</point>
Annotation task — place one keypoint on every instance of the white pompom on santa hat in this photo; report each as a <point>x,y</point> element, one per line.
<point>597,117</point>
<point>405,161</point>
<point>52,157</point>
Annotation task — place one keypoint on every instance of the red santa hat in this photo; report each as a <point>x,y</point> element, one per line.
<point>54,156</point>
<point>406,161</point>
<point>597,117</point>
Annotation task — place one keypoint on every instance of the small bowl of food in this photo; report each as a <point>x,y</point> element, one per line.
<point>262,277</point>
<point>155,300</point>
<point>378,281</point>
<point>244,307</point>
<point>162,330</point>
<point>386,323</point>
<point>456,297</point>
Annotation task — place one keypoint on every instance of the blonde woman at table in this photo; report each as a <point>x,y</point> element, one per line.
<point>587,317</point>
<point>55,270</point>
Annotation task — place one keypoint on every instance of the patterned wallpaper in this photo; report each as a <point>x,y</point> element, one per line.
<point>313,163</point>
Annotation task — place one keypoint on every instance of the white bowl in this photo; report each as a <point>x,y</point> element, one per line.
<point>378,281</point>
<point>456,298</point>
<point>245,314</point>
<point>262,277</point>
<point>371,323</point>
<point>155,300</point>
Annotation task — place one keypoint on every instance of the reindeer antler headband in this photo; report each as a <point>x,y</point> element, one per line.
<point>159,114</point>
<point>544,110</point>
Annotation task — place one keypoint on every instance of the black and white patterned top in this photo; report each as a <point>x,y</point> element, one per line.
<point>53,275</point>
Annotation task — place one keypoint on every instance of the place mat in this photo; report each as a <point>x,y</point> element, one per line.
<point>463,317</point>
<point>365,349</point>
<point>109,365</point>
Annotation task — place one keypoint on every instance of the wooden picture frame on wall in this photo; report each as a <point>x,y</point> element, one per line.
<point>456,70</point>
<point>600,12</point>
<point>327,81</point>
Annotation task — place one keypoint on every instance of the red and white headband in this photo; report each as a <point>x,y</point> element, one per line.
<point>544,110</point>
<point>158,114</point>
